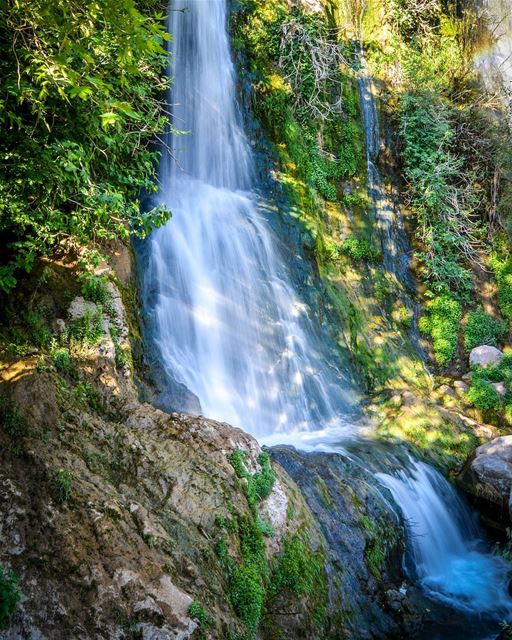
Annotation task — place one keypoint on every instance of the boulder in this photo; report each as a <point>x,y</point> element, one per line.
<point>488,476</point>
<point>485,355</point>
<point>500,388</point>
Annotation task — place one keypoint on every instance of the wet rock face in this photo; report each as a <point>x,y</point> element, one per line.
<point>364,543</point>
<point>487,476</point>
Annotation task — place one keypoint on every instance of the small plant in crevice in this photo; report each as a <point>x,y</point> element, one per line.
<point>9,596</point>
<point>87,329</point>
<point>63,482</point>
<point>258,486</point>
<point>204,620</point>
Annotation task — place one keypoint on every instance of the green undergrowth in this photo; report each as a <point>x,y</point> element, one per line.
<point>314,126</point>
<point>9,596</point>
<point>254,580</point>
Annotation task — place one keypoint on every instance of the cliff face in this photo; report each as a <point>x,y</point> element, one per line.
<point>124,521</point>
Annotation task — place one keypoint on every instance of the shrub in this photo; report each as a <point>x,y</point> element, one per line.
<point>89,328</point>
<point>482,328</point>
<point>63,480</point>
<point>81,107</point>
<point>442,324</point>
<point>482,395</point>
<point>359,249</point>
<point>9,596</point>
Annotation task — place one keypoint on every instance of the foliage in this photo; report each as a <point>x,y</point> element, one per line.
<point>63,481</point>
<point>198,612</point>
<point>11,418</point>
<point>442,193</point>
<point>483,395</point>
<point>442,324</point>
<point>89,327</point>
<point>82,99</point>
<point>359,249</point>
<point>259,485</point>
<point>9,596</point>
<point>95,290</point>
<point>482,328</point>
<point>63,362</point>
<point>502,268</point>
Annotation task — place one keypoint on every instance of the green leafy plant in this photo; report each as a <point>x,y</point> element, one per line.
<point>81,108</point>
<point>63,481</point>
<point>442,324</point>
<point>259,485</point>
<point>481,328</point>
<point>9,596</point>
<point>88,328</point>
<point>204,620</point>
<point>482,395</point>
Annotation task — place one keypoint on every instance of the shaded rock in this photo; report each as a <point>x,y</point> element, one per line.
<point>488,477</point>
<point>79,307</point>
<point>485,356</point>
<point>460,386</point>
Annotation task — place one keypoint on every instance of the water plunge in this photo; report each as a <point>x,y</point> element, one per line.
<point>450,560</point>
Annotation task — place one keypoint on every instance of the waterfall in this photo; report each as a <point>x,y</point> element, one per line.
<point>226,319</point>
<point>450,560</point>
<point>495,62</point>
<point>229,325</point>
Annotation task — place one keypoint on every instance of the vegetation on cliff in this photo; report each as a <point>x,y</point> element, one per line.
<point>83,97</point>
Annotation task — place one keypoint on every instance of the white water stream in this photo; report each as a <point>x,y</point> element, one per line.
<point>229,324</point>
<point>226,317</point>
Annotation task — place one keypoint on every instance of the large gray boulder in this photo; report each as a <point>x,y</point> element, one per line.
<point>488,476</point>
<point>485,356</point>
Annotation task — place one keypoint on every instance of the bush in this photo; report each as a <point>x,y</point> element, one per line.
<point>483,395</point>
<point>9,596</point>
<point>442,325</point>
<point>359,249</point>
<point>482,328</point>
<point>80,111</point>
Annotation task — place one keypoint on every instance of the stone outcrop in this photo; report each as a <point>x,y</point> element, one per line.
<point>487,476</point>
<point>112,512</point>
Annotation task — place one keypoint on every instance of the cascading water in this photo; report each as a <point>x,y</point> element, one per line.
<point>450,561</point>
<point>389,222</point>
<point>225,317</point>
<point>495,62</point>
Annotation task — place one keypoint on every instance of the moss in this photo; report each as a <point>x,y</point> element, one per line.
<point>481,328</point>
<point>323,489</point>
<point>434,434</point>
<point>9,596</point>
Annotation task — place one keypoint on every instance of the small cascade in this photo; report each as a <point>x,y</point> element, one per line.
<point>495,62</point>
<point>449,559</point>
<point>394,241</point>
